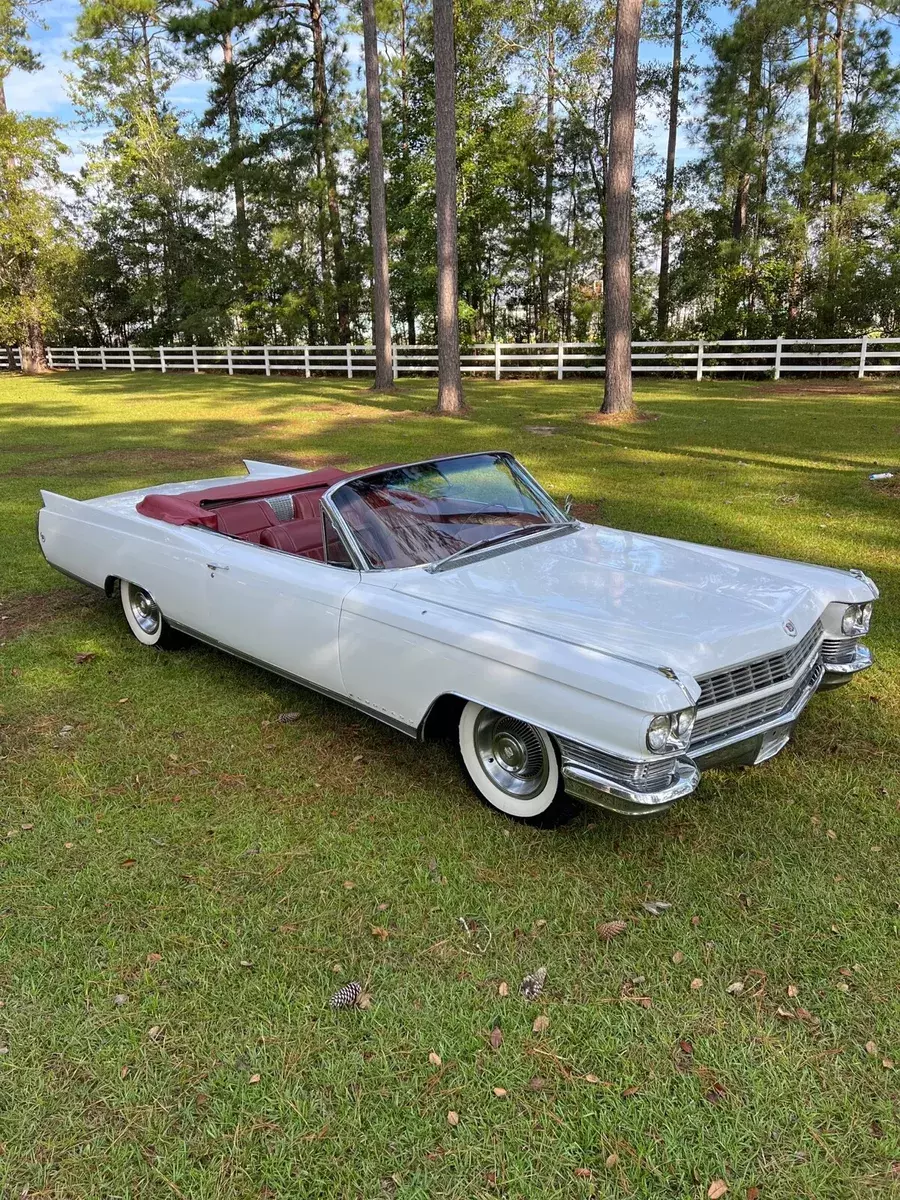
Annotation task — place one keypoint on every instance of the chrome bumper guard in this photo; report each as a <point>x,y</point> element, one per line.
<point>588,785</point>
<point>838,673</point>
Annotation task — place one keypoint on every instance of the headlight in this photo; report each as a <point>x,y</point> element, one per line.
<point>670,731</point>
<point>855,620</point>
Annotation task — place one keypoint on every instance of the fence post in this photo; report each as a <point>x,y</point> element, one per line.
<point>778,342</point>
<point>559,361</point>
<point>194,358</point>
<point>700,360</point>
<point>162,360</point>
<point>77,363</point>
<point>496,360</point>
<point>862,356</point>
<point>130,356</point>
<point>103,357</point>
<point>349,362</point>
<point>266,360</point>
<point>228,359</point>
<point>49,357</point>
<point>395,365</point>
<point>306,361</point>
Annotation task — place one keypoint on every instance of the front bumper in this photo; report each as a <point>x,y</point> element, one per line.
<point>589,785</point>
<point>839,673</point>
<point>588,773</point>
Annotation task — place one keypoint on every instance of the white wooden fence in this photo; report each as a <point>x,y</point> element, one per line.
<point>776,356</point>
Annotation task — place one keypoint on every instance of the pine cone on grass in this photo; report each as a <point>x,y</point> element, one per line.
<point>347,996</point>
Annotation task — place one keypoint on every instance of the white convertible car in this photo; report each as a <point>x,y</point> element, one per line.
<point>454,595</point>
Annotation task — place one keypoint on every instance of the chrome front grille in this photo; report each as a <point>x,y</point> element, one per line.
<point>648,775</point>
<point>756,713</point>
<point>840,650</point>
<point>754,676</point>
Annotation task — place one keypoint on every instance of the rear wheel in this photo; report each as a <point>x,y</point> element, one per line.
<point>512,765</point>
<point>145,620</point>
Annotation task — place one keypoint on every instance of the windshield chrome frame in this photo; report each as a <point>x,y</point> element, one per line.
<point>356,551</point>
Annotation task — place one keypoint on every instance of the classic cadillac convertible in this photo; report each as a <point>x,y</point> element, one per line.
<point>455,595</point>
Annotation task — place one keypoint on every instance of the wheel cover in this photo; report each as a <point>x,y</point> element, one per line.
<point>511,754</point>
<point>144,610</point>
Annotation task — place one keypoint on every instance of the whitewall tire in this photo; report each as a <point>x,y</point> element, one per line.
<point>511,764</point>
<point>145,619</point>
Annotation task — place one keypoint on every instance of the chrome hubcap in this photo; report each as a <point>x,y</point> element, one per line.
<point>144,610</point>
<point>511,754</point>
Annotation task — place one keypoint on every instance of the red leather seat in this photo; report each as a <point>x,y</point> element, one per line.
<point>296,537</point>
<point>245,520</point>
<point>307,504</point>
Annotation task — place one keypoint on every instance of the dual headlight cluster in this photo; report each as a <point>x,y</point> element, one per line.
<point>671,731</point>
<point>856,619</point>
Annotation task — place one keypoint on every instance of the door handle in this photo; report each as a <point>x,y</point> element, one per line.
<point>217,567</point>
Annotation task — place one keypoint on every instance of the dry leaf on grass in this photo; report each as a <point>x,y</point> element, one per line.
<point>503,988</point>
<point>583,1173</point>
<point>500,1092</point>
<point>871,1048</point>
<point>80,659</point>
<point>612,1160</point>
<point>610,929</point>
<point>254,1079</point>
<point>452,1118</point>
<point>496,1038</point>
<point>155,1033</point>
<point>541,1024</point>
<point>735,989</point>
<point>793,990</point>
<point>717,1189</point>
<point>379,931</point>
<point>655,907</point>
<point>677,958</point>
<point>696,984</point>
<point>434,1059</point>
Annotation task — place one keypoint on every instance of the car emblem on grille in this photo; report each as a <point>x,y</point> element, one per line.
<point>790,628</point>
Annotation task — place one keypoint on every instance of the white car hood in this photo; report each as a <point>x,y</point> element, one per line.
<point>652,600</point>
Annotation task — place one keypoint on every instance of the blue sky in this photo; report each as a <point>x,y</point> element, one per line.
<point>44,94</point>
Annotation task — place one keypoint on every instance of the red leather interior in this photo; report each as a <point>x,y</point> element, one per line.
<point>296,537</point>
<point>239,510</point>
<point>239,520</point>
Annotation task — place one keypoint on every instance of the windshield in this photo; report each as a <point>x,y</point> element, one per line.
<point>411,516</point>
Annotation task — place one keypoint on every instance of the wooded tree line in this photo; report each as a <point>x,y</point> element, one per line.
<point>250,222</point>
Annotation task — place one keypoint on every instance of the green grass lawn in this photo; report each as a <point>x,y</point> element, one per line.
<point>185,880</point>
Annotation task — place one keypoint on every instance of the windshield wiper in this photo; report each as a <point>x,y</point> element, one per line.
<point>522,531</point>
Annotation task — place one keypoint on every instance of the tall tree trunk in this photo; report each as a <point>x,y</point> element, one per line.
<point>662,307</point>
<point>450,393</point>
<point>748,147</point>
<point>322,117</point>
<point>815,37</point>
<point>833,226</point>
<point>381,299</point>
<point>618,396</point>
<point>32,350</point>
<point>241,228</point>
<point>549,172</point>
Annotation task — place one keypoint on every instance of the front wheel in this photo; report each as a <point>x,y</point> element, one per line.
<point>512,765</point>
<point>145,620</point>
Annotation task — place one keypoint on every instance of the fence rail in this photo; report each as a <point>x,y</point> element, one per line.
<point>859,356</point>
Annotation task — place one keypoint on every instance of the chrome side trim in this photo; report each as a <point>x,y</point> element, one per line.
<point>616,797</point>
<point>385,718</point>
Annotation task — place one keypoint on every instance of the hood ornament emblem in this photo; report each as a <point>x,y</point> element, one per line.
<point>790,628</point>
